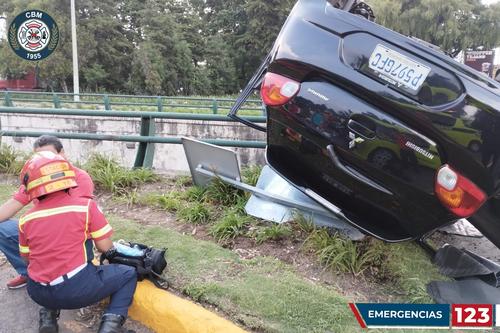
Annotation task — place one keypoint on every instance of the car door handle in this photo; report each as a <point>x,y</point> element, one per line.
<point>352,172</point>
<point>360,129</point>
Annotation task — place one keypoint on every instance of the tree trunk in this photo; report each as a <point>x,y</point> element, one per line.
<point>64,86</point>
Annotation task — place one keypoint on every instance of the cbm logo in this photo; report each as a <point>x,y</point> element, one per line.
<point>33,35</point>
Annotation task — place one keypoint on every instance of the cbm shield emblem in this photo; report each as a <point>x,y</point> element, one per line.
<point>33,35</point>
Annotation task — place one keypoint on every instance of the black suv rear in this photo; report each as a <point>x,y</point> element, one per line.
<point>384,130</point>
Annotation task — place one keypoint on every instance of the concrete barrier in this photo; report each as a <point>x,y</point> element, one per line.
<point>169,158</point>
<point>164,312</point>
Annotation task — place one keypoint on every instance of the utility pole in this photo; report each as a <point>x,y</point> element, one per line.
<point>76,80</point>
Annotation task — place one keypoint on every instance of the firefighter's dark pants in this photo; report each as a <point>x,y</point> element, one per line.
<point>89,286</point>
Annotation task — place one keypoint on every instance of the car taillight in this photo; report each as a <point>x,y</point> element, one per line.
<point>457,193</point>
<point>277,90</point>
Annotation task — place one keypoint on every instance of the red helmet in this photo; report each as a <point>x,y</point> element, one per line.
<point>47,173</point>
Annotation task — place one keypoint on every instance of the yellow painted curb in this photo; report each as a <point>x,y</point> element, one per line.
<point>166,313</point>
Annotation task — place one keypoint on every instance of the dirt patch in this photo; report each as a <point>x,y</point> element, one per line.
<point>290,250</point>
<point>479,245</point>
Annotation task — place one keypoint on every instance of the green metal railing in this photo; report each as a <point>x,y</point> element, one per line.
<point>109,101</point>
<point>146,138</point>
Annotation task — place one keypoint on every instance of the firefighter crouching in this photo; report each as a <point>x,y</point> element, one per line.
<point>56,237</point>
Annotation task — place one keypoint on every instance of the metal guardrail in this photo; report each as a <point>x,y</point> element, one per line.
<point>146,137</point>
<point>107,101</point>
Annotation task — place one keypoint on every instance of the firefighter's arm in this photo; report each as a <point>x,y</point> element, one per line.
<point>103,245</point>
<point>24,248</point>
<point>9,209</point>
<point>99,228</point>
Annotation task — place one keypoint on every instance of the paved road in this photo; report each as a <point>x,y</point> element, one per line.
<point>19,314</point>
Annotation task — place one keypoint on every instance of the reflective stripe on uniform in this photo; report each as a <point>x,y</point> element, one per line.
<point>46,179</point>
<point>24,249</point>
<point>86,230</point>
<point>50,212</point>
<point>101,232</point>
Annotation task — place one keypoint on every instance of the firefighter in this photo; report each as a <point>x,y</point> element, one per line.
<point>8,229</point>
<point>56,238</point>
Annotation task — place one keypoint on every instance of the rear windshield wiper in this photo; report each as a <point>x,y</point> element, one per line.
<point>252,85</point>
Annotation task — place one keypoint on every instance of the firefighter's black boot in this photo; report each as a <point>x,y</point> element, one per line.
<point>111,323</point>
<point>48,321</point>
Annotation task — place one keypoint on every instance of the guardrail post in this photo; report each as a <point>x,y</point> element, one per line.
<point>146,151</point>
<point>159,102</point>
<point>107,103</point>
<point>8,99</point>
<point>57,101</point>
<point>215,106</point>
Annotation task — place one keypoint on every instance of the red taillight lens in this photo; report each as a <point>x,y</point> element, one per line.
<point>277,90</point>
<point>457,193</point>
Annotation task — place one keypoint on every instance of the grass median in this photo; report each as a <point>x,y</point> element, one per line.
<point>264,294</point>
<point>261,293</point>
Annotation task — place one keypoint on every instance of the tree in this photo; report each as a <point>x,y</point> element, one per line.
<point>453,25</point>
<point>265,19</point>
<point>56,69</point>
<point>105,45</point>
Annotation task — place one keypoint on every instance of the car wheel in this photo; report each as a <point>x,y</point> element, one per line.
<point>381,158</point>
<point>474,146</point>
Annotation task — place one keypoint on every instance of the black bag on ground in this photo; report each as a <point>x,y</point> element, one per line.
<point>150,265</point>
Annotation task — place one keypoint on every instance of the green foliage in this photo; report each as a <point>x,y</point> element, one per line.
<point>184,181</point>
<point>230,226</point>
<point>274,232</point>
<point>128,198</point>
<point>220,193</point>
<point>11,161</point>
<point>453,25</point>
<point>262,294</point>
<point>239,206</point>
<point>251,174</point>
<point>194,194</point>
<point>195,213</point>
<point>169,201</point>
<point>304,223</point>
<point>408,270</point>
<point>181,47</point>
<point>199,291</point>
<point>167,47</point>
<point>341,254</point>
<point>108,175</point>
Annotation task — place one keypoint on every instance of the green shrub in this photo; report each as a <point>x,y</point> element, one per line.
<point>229,226</point>
<point>169,202</point>
<point>194,194</point>
<point>11,160</point>
<point>274,232</point>
<point>304,223</point>
<point>221,193</point>
<point>195,213</point>
<point>251,174</point>
<point>344,255</point>
<point>108,175</point>
<point>239,206</point>
<point>184,181</point>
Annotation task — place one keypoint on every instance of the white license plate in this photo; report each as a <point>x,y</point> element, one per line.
<point>398,69</point>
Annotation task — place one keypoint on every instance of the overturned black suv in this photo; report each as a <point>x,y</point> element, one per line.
<point>384,130</point>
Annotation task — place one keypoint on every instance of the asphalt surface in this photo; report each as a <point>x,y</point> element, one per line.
<point>19,314</point>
